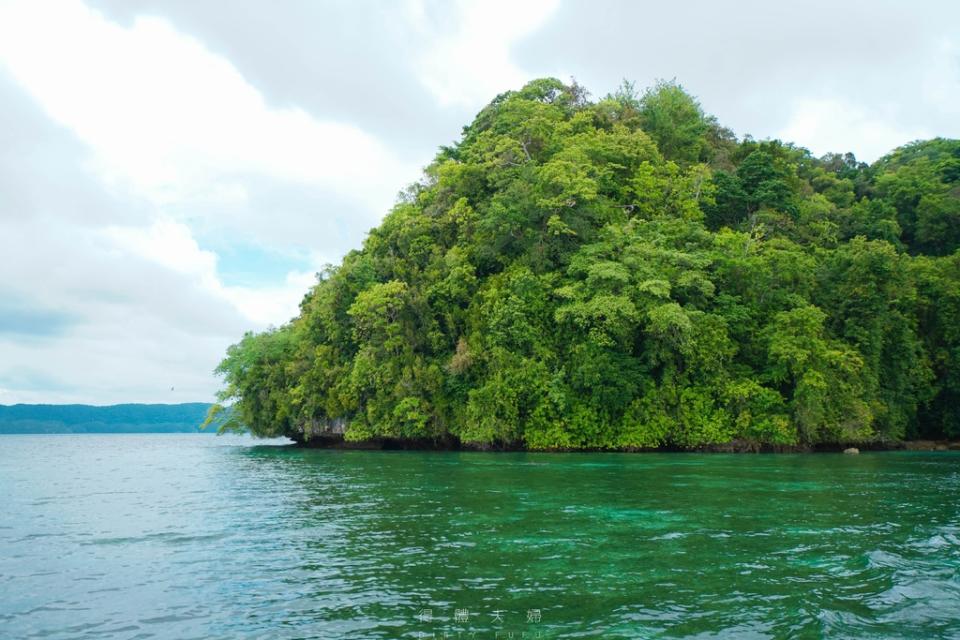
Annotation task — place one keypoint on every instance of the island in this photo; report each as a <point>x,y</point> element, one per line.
<point>628,274</point>
<point>118,418</point>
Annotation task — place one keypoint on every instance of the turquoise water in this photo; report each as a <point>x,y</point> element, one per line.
<point>192,536</point>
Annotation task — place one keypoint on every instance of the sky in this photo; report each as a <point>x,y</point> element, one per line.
<point>173,174</point>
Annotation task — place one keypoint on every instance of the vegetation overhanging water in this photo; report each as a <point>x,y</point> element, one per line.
<point>626,273</point>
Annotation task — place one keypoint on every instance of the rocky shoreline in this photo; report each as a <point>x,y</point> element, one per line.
<point>337,441</point>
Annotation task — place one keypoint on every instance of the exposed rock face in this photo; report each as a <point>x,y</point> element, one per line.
<point>322,431</point>
<point>851,451</point>
<point>333,428</point>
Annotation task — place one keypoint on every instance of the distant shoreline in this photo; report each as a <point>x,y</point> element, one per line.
<point>38,419</point>
<point>199,432</point>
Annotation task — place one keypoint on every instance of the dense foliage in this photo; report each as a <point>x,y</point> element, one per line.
<point>627,273</point>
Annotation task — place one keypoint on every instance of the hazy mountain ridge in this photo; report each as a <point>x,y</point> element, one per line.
<point>118,418</point>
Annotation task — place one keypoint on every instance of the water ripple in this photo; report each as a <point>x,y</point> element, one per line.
<point>204,537</point>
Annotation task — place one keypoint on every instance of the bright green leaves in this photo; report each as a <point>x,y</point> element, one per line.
<point>565,181</point>
<point>654,288</point>
<point>796,342</point>
<point>868,290</point>
<point>557,228</point>
<point>670,325</point>
<point>614,156</point>
<point>499,409</point>
<point>390,382</point>
<point>607,275</point>
<point>759,413</point>
<point>627,275</point>
<point>608,320</point>
<point>409,418</point>
<point>665,191</point>
<point>675,120</point>
<point>823,379</point>
<point>514,311</point>
<point>376,312</point>
<point>920,181</point>
<point>938,312</point>
<point>647,422</point>
<point>530,124</point>
<point>259,372</point>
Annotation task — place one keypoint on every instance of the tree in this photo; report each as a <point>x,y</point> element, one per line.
<point>675,120</point>
<point>628,274</point>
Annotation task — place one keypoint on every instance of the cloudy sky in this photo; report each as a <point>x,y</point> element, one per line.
<point>173,173</point>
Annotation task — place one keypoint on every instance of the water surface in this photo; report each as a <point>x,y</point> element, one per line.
<point>194,536</point>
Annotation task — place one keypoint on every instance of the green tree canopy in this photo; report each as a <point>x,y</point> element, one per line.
<point>627,273</point>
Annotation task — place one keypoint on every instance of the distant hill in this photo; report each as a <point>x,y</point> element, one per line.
<point>118,418</point>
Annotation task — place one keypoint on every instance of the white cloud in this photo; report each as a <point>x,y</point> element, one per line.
<point>873,127</point>
<point>176,121</point>
<point>171,245</point>
<point>133,328</point>
<point>825,125</point>
<point>468,63</point>
<point>144,311</point>
<point>157,140</point>
<point>941,78</point>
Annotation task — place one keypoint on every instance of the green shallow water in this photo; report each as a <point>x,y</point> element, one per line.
<point>191,536</point>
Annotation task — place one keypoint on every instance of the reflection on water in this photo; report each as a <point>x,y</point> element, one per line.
<point>189,536</point>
